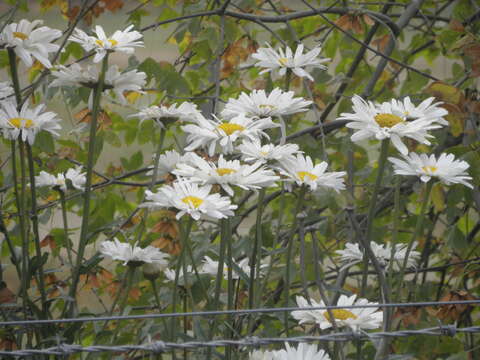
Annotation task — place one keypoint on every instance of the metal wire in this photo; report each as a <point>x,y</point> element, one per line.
<point>234,312</point>
<point>158,347</point>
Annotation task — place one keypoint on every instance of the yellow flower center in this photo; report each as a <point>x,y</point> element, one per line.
<point>283,61</point>
<point>303,174</point>
<point>266,106</point>
<point>264,153</point>
<point>102,44</point>
<point>193,201</point>
<point>388,120</point>
<point>21,122</point>
<point>229,129</point>
<point>20,35</point>
<point>429,169</point>
<point>225,171</point>
<point>339,314</point>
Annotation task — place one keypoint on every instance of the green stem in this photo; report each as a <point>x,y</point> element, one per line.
<point>68,244</point>
<point>275,242</point>
<point>156,161</point>
<point>126,291</point>
<point>36,233</point>
<point>218,283</point>
<point>371,210</point>
<point>227,233</point>
<point>128,284</point>
<point>369,255</point>
<point>12,59</point>
<point>20,195</point>
<point>88,187</point>
<point>141,226</point>
<point>300,200</point>
<point>181,264</point>
<point>155,293</point>
<point>11,247</point>
<point>417,232</point>
<point>256,253</point>
<point>24,225</point>
<point>396,225</point>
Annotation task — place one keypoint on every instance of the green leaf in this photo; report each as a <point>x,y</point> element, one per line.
<point>44,142</point>
<point>136,160</point>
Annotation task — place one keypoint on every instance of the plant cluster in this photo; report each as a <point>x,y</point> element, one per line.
<point>246,203</point>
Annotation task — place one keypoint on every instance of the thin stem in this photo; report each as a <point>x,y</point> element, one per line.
<point>227,233</point>
<point>369,255</point>
<point>373,203</point>
<point>23,224</point>
<point>257,246</point>
<point>20,195</point>
<point>181,266</point>
<point>12,59</point>
<point>301,197</point>
<point>36,234</point>
<point>417,232</point>
<point>68,244</point>
<point>88,186</point>
<point>156,163</point>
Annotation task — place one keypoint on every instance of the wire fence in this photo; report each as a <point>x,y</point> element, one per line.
<point>158,347</point>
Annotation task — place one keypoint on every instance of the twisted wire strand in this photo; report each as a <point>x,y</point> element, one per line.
<point>158,347</point>
<point>234,312</point>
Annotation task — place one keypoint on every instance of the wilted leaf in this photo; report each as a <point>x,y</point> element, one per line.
<point>381,42</point>
<point>445,92</point>
<point>49,241</point>
<point>455,311</point>
<point>438,197</point>
<point>408,315</point>
<point>113,5</point>
<point>6,295</point>
<point>456,119</point>
<point>168,245</point>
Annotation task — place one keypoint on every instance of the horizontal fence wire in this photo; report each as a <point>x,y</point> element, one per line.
<point>233,312</point>
<point>159,347</point>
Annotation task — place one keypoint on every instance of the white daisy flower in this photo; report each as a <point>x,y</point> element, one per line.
<point>27,123</point>
<point>282,60</point>
<point>209,133</point>
<point>186,111</point>
<point>170,273</point>
<point>258,104</point>
<point>260,355</point>
<point>352,254</point>
<point>122,41</point>
<point>28,40</point>
<point>307,316</point>
<point>354,318</point>
<point>133,254</point>
<point>400,253</point>
<point>302,352</point>
<point>5,89</point>
<point>115,81</point>
<point>301,170</point>
<point>254,151</point>
<point>192,199</point>
<point>386,121</point>
<point>226,173</point>
<point>445,168</point>
<point>168,162</point>
<point>210,267</point>
<point>425,110</point>
<point>75,175</point>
